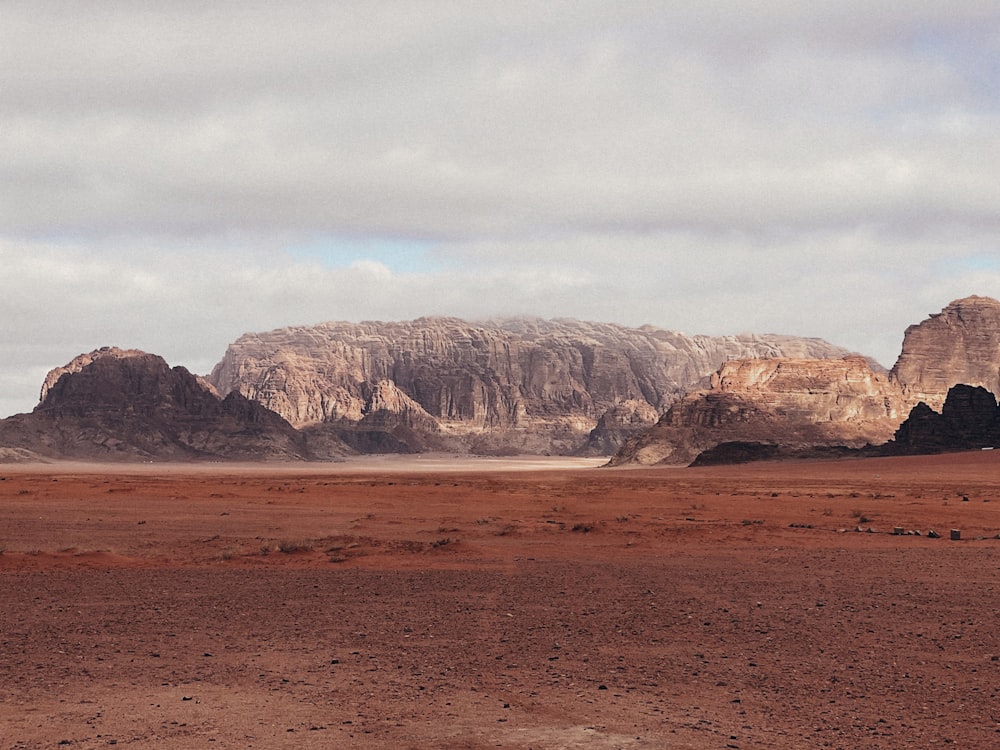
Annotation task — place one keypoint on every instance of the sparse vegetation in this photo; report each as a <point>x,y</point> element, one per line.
<point>290,547</point>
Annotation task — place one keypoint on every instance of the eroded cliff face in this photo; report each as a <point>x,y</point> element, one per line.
<point>795,403</point>
<point>959,345</point>
<point>502,386</point>
<point>798,404</point>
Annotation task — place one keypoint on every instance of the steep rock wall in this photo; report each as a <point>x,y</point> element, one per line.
<point>960,344</point>
<point>501,386</point>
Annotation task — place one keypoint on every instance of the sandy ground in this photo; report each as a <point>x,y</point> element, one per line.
<point>476,604</point>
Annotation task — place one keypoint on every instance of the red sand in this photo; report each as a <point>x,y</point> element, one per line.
<point>472,605</point>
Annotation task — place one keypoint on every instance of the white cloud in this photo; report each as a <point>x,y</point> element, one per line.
<point>172,175</point>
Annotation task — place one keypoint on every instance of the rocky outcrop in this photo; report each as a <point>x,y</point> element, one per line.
<point>961,344</point>
<point>617,425</point>
<point>105,352</point>
<point>507,386</point>
<point>129,405</point>
<point>796,407</point>
<point>793,403</point>
<point>969,420</point>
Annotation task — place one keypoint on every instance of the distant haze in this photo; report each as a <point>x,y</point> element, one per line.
<point>175,174</point>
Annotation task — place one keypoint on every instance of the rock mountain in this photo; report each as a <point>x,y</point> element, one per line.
<point>115,404</point>
<point>969,419</point>
<point>795,403</point>
<point>960,344</point>
<point>800,404</point>
<point>520,386</point>
<point>503,387</point>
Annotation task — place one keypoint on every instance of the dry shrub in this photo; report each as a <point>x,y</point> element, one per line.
<point>290,547</point>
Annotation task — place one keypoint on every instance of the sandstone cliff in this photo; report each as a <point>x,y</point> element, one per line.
<point>128,405</point>
<point>502,386</point>
<point>795,403</point>
<point>789,407</point>
<point>961,344</point>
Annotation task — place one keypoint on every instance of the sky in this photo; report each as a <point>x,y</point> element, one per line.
<point>175,174</point>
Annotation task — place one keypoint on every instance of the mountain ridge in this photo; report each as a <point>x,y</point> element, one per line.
<point>506,385</point>
<point>509,386</point>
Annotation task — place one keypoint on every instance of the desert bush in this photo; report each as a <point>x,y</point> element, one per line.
<point>289,547</point>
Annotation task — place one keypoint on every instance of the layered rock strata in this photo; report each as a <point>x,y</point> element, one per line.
<point>507,386</point>
<point>795,403</point>
<point>791,407</point>
<point>960,344</point>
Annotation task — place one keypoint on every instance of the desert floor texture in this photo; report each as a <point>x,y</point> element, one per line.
<point>429,604</point>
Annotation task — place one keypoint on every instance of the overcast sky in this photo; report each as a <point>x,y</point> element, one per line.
<point>174,174</point>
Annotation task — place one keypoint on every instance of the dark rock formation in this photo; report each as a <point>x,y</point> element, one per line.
<point>737,452</point>
<point>129,405</point>
<point>968,420</point>
<point>510,386</point>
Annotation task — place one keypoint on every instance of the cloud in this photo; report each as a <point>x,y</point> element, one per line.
<point>174,174</point>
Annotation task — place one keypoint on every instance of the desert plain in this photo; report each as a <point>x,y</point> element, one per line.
<point>438,603</point>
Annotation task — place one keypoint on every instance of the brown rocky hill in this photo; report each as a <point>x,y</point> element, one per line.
<point>115,404</point>
<point>797,405</point>
<point>960,344</point>
<point>505,386</point>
